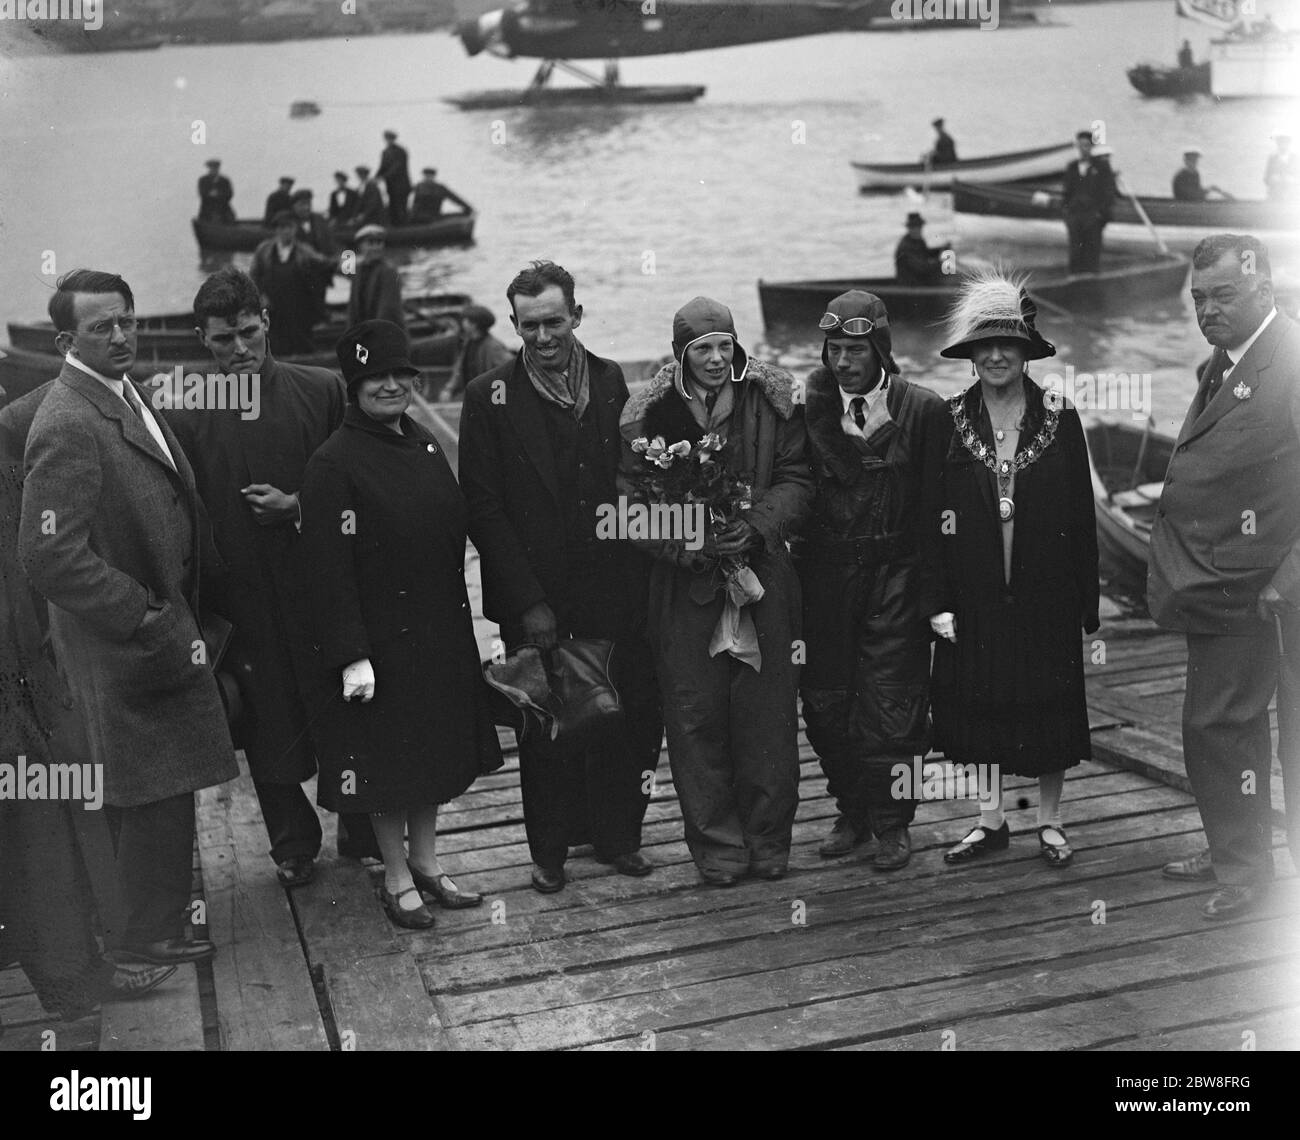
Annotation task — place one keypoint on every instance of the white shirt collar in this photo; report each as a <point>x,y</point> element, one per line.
<point>1238,351</point>
<point>869,398</point>
<point>108,382</point>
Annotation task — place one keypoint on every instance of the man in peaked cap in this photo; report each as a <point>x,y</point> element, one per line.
<point>215,193</point>
<point>868,562</point>
<point>915,263</point>
<point>370,202</point>
<point>396,177</point>
<point>1088,196</point>
<point>278,200</point>
<point>944,152</point>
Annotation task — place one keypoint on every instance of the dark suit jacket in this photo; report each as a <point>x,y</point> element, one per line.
<point>370,205</point>
<point>109,532</point>
<point>343,204</point>
<point>1229,517</point>
<point>508,474</point>
<point>1091,194</point>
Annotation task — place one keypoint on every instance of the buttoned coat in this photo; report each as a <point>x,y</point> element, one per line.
<point>110,529</point>
<point>1228,524</point>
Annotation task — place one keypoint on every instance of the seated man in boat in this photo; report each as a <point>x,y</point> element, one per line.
<point>1187,181</point>
<point>277,200</point>
<point>370,202</point>
<point>1282,173</point>
<point>313,229</point>
<point>915,263</point>
<point>428,197</point>
<point>215,193</point>
<point>1185,57</point>
<point>944,152</point>
<point>343,200</point>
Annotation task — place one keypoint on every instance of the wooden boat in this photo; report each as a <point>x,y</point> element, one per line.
<point>568,96</point>
<point>1128,464</point>
<point>1153,80</point>
<point>171,335</point>
<point>1015,166</point>
<point>1032,215</point>
<point>245,234</point>
<point>1121,284</point>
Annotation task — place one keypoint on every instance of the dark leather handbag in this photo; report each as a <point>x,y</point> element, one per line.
<point>566,698</point>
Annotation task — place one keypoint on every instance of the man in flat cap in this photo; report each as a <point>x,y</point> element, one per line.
<point>478,352</point>
<point>429,195</point>
<point>1187,179</point>
<point>915,263</point>
<point>277,201</point>
<point>313,229</point>
<point>396,177</point>
<point>215,193</point>
<point>944,151</point>
<point>868,562</point>
<point>370,202</point>
<point>1088,197</point>
<point>343,200</point>
<point>376,288</point>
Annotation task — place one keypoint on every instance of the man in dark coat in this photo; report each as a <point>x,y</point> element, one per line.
<point>869,571</point>
<point>343,200</point>
<point>313,229</point>
<point>277,201</point>
<point>292,277</point>
<point>249,469</point>
<point>215,193</point>
<point>539,453</point>
<point>944,152</point>
<point>48,848</point>
<point>1225,571</point>
<point>1088,197</point>
<point>479,351</point>
<point>915,263</point>
<point>428,197</point>
<point>370,202</point>
<point>376,289</point>
<point>110,536</point>
<point>396,176</point>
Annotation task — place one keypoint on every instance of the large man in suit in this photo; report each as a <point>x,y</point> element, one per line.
<point>248,471</point>
<point>1088,196</point>
<point>539,453</point>
<point>110,536</point>
<point>1225,570</point>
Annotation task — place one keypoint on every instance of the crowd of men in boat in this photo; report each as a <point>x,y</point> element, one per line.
<point>398,203</point>
<point>914,573</point>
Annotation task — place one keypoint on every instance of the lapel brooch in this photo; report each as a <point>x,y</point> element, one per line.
<point>1242,390</point>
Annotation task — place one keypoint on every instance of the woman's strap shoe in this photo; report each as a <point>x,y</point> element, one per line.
<point>979,841</point>
<point>418,919</point>
<point>445,892</point>
<point>1055,854</point>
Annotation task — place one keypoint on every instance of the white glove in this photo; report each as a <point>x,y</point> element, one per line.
<point>945,625</point>
<point>359,680</point>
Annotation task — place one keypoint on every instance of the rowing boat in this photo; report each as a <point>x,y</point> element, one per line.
<point>1121,284</point>
<point>1032,215</point>
<point>245,234</point>
<point>1015,166</point>
<point>1154,80</point>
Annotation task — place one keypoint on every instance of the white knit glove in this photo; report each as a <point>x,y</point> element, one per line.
<point>945,625</point>
<point>359,680</point>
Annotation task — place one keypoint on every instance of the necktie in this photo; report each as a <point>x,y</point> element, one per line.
<point>710,399</point>
<point>132,402</point>
<point>859,416</point>
<point>1219,364</point>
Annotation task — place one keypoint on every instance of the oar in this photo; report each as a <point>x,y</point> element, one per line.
<point>1141,213</point>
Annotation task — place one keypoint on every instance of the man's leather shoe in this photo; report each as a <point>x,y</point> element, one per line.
<point>167,952</point>
<point>548,880</point>
<point>895,850</point>
<point>296,871</point>
<point>844,837</point>
<point>126,985</point>
<point>1198,869</point>
<point>979,841</point>
<point>715,878</point>
<point>444,891</point>
<point>634,864</point>
<point>1230,901</point>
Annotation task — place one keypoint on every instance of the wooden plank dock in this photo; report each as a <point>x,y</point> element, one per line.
<point>1007,953</point>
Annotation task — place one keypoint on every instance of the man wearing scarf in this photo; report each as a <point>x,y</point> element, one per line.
<point>868,562</point>
<point>539,449</point>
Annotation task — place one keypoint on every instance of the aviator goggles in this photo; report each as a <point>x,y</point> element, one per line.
<point>853,326</point>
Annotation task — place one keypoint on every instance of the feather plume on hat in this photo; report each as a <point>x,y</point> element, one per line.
<point>993,304</point>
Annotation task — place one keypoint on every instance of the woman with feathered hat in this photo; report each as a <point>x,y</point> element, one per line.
<point>728,688</point>
<point>1019,546</point>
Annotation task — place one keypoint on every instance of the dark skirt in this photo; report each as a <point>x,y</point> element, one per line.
<point>1010,691</point>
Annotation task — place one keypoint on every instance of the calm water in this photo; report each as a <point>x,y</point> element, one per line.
<point>99,165</point>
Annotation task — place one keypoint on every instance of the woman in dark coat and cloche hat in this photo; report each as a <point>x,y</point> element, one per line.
<point>384,527</point>
<point>1019,542</point>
